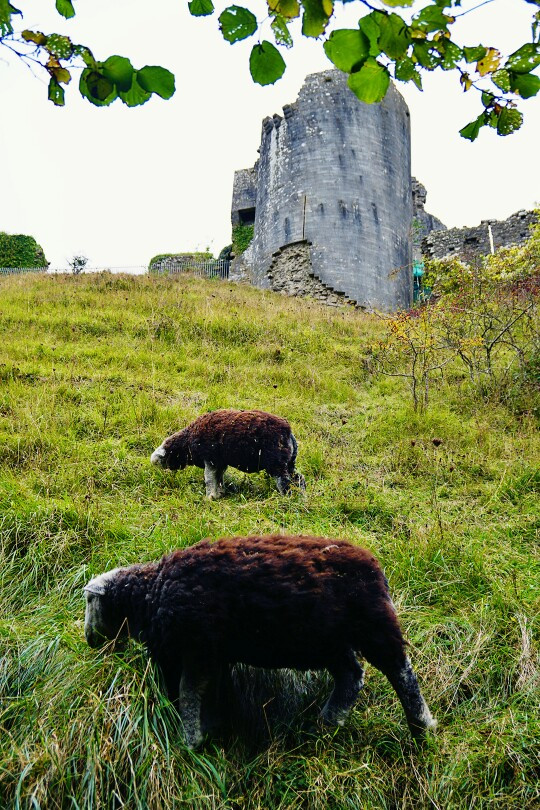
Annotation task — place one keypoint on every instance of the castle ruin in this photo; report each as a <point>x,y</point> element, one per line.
<point>336,213</point>
<point>331,199</point>
<point>466,243</point>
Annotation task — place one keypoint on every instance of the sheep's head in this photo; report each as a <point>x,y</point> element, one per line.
<point>173,453</point>
<point>101,622</point>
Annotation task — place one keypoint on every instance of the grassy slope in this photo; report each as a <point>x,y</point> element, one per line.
<point>94,372</point>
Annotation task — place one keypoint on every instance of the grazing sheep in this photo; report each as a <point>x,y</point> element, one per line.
<point>251,441</point>
<point>305,603</point>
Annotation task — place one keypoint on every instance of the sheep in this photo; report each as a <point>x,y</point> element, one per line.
<point>275,601</point>
<point>248,440</point>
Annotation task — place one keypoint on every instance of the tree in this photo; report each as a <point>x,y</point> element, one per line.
<point>100,82</point>
<point>384,45</point>
<point>77,264</point>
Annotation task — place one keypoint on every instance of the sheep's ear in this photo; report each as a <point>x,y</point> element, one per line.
<point>97,585</point>
<point>97,588</point>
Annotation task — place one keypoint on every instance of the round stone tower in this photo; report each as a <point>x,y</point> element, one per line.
<point>334,174</point>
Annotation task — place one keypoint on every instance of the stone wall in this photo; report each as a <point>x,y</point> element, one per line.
<point>470,242</point>
<point>291,273</point>
<point>244,196</point>
<point>424,222</point>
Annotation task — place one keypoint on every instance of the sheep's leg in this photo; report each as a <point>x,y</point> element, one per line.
<point>415,707</point>
<point>214,712</point>
<point>348,680</point>
<point>193,685</point>
<point>213,478</point>
<point>171,673</point>
<point>299,480</point>
<point>296,477</point>
<point>283,483</point>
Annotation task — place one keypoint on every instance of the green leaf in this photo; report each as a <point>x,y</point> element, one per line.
<point>135,96</point>
<point>405,71</point>
<point>395,37</point>
<point>282,34</point>
<point>501,79</point>
<point>155,79</point>
<point>524,59</point>
<point>525,84</point>
<point>470,132</point>
<point>396,3</point>
<point>237,23</point>
<point>56,92</point>
<point>34,36</point>
<point>475,53</point>
<point>369,26</point>
<point>450,52</point>
<point>287,8</point>
<point>97,88</point>
<point>510,119</point>
<point>59,46</point>
<point>119,70</point>
<point>5,18</point>
<point>86,55</point>
<point>200,8</point>
<point>346,48</point>
<point>266,64</point>
<point>65,8</point>
<point>493,118</point>
<point>432,18</point>
<point>487,99</point>
<point>425,55</point>
<point>371,82</point>
<point>316,16</point>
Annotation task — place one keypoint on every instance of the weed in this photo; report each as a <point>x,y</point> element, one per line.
<point>91,381</point>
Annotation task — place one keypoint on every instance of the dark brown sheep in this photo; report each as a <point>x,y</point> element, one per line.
<point>251,441</point>
<point>305,603</point>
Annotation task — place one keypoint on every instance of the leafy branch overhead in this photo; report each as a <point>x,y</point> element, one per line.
<point>99,82</point>
<point>388,45</point>
<point>385,44</point>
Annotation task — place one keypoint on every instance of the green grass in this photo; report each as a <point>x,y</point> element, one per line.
<point>94,372</point>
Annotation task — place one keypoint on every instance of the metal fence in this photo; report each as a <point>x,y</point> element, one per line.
<point>8,271</point>
<point>204,268</point>
<point>129,270</point>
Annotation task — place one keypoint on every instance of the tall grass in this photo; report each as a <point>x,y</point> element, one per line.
<point>94,372</point>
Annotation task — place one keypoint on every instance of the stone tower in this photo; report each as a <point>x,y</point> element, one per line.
<point>332,189</point>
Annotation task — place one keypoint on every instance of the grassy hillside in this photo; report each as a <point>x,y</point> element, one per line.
<point>94,372</point>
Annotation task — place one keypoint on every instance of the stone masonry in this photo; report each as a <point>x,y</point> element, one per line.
<point>469,242</point>
<point>291,273</point>
<point>333,174</point>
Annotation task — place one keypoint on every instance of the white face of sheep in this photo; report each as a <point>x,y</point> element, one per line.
<point>158,456</point>
<point>172,453</point>
<point>98,627</point>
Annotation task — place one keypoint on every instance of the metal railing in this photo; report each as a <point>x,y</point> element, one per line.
<point>204,268</point>
<point>8,271</point>
<point>129,270</point>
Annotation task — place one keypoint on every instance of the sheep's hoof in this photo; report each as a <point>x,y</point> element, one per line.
<point>300,482</point>
<point>420,733</point>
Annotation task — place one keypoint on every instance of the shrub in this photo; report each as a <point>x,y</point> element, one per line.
<point>242,236</point>
<point>18,250</point>
<point>200,256</point>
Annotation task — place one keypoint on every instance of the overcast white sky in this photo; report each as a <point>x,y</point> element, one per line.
<point>121,185</point>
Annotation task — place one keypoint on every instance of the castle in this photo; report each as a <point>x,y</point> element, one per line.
<point>331,199</point>
<point>336,213</point>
